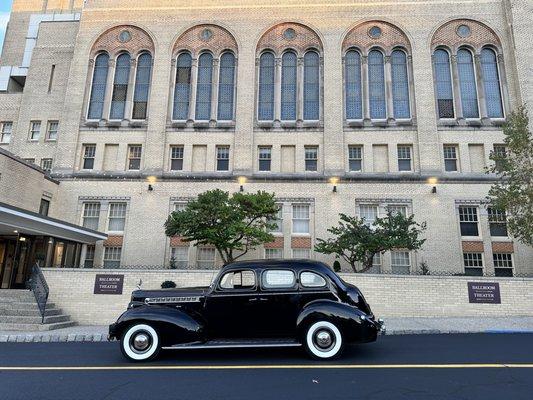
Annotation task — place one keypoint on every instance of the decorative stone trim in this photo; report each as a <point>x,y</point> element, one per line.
<point>177,241</point>
<point>472,246</point>
<point>277,243</point>
<point>110,42</point>
<point>480,35</point>
<point>277,41</point>
<point>100,198</point>
<point>391,37</point>
<point>114,241</point>
<point>195,40</point>
<point>502,247</point>
<point>300,242</point>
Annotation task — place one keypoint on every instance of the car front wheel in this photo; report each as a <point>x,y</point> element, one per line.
<point>140,342</point>
<point>323,340</point>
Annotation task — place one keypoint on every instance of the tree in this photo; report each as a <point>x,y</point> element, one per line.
<point>355,241</point>
<point>513,193</point>
<point>232,224</point>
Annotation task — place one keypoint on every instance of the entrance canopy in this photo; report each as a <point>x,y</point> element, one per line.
<point>14,220</point>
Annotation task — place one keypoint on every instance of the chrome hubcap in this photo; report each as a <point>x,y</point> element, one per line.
<point>324,339</point>
<point>141,342</point>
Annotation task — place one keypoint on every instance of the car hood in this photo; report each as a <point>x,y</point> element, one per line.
<point>169,296</point>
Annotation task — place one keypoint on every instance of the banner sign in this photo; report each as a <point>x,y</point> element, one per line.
<point>108,284</point>
<point>484,292</point>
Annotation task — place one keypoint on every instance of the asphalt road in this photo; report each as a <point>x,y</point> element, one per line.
<point>474,366</point>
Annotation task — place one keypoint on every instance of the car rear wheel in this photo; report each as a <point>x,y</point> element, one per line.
<point>140,342</point>
<point>323,340</point>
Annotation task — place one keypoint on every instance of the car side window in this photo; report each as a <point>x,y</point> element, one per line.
<point>238,280</point>
<point>278,279</point>
<point>312,280</point>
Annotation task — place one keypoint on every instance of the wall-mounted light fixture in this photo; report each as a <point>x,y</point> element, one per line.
<point>434,190</point>
<point>433,182</point>
<point>150,188</point>
<point>242,181</point>
<point>334,181</point>
<point>151,180</point>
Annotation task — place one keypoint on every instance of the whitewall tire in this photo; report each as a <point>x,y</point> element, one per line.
<point>140,342</point>
<point>323,340</point>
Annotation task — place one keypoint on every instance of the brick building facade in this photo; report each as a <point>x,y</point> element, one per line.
<point>135,107</point>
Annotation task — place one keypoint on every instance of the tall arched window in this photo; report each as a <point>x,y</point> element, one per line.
<point>311,86</point>
<point>142,86</point>
<point>226,87</point>
<point>400,85</point>
<point>182,90</point>
<point>99,84</point>
<point>376,85</point>
<point>289,65</point>
<point>353,92</point>
<point>467,83</point>
<point>204,87</point>
<point>443,83</point>
<point>267,69</point>
<point>120,86</point>
<point>491,83</point>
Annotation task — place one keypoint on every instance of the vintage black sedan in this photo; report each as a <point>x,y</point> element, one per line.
<point>265,303</point>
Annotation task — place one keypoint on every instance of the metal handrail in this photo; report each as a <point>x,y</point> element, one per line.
<point>40,289</point>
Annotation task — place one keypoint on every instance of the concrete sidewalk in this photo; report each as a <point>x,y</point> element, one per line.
<point>395,326</point>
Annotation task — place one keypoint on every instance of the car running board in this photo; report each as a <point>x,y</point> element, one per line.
<point>231,344</point>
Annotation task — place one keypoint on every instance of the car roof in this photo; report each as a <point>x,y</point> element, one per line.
<point>296,264</point>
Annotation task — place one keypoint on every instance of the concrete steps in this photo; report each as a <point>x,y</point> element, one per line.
<point>19,312</point>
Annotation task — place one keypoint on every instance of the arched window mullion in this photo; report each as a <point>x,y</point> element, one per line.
<point>143,75</point>
<point>98,89</point>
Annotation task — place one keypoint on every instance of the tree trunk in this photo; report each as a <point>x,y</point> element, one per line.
<point>368,263</point>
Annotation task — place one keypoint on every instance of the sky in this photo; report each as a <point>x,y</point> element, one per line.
<point>5,9</point>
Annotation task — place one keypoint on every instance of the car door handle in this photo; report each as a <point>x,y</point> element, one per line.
<point>256,299</point>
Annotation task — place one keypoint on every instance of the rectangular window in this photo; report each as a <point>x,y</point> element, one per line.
<point>369,213</point>
<point>6,131</point>
<point>179,257</point>
<point>278,221</point>
<point>450,158</point>
<point>404,158</point>
<point>181,206</point>
<point>311,158</point>
<point>51,131</point>
<point>355,158</point>
<point>117,217</point>
<point>400,262</point>
<point>35,130</point>
<point>397,209</point>
<point>176,158</point>
<point>469,221</point>
<point>265,158</point>
<point>134,157</point>
<point>112,257</point>
<point>503,264</point>
<point>46,164</point>
<point>89,152</point>
<point>91,215</point>
<point>222,158</point>
<point>273,253</point>
<point>89,257</point>
<point>301,253</point>
<point>205,258</point>
<point>44,207</point>
<point>473,263</point>
<point>499,153</point>
<point>300,218</point>
<point>497,222</point>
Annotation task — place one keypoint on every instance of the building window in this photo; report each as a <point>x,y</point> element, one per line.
<point>205,258</point>
<point>404,158</point>
<point>497,222</point>
<point>98,87</point>
<point>289,66</point>
<point>180,206</point>
<point>222,158</point>
<point>35,130</point>
<point>91,215</point>
<point>300,218</point>
<point>267,72</point>
<point>311,158</point>
<point>6,131</point>
<point>226,87</point>
<point>134,157</point>
<point>51,132</point>
<point>376,85</point>
<point>301,253</point>
<point>395,209</point>
<point>468,221</point>
<point>277,221</point>
<point>443,82</point>
<point>355,158</point>
<point>311,86</point>
<point>353,90</point>
<point>182,90</point>
<point>112,257</point>
<point>120,87</point>
<point>273,253</point>
<point>176,158</point>
<point>400,262</point>
<point>117,217</point>
<point>500,154</point>
<point>265,158</point>
<point>89,152</point>
<point>400,85</point>
<point>467,83</point>
<point>503,264</point>
<point>450,158</point>
<point>491,83</point>
<point>142,86</point>
<point>368,213</point>
<point>46,164</point>
<point>89,257</point>
<point>44,207</point>
<point>179,257</point>
<point>473,263</point>
<point>204,87</point>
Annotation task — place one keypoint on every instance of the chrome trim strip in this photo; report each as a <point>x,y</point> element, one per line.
<point>170,300</point>
<point>231,346</point>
